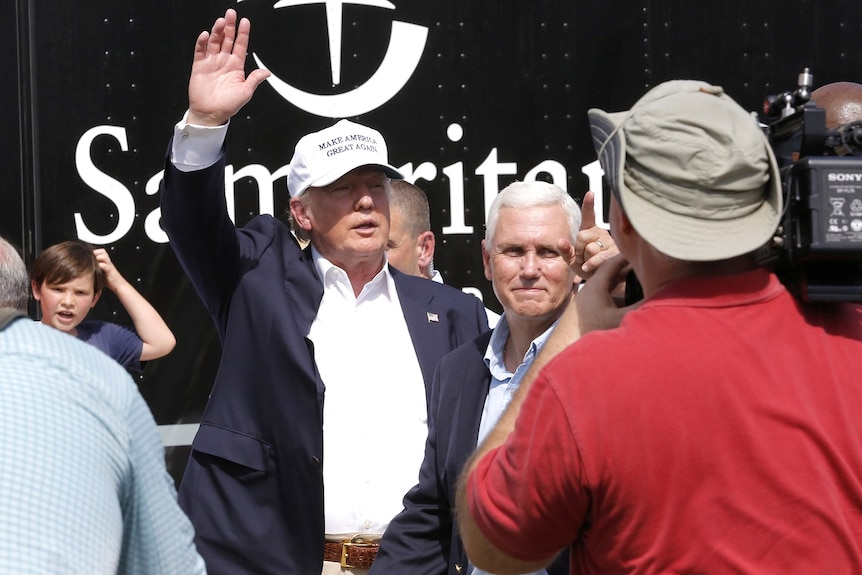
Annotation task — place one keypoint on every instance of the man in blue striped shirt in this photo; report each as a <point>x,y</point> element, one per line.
<point>83,485</point>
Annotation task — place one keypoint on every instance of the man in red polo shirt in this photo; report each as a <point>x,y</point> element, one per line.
<point>716,429</point>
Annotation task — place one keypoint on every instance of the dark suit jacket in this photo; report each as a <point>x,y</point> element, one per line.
<point>253,487</point>
<point>423,538</point>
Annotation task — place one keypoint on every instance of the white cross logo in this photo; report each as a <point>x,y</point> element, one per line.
<point>333,25</point>
<point>406,44</point>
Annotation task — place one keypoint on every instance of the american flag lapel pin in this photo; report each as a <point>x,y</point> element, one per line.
<point>432,317</point>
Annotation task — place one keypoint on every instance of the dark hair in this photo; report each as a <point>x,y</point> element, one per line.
<point>66,261</point>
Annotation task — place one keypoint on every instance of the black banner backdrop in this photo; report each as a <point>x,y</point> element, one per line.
<point>470,95</point>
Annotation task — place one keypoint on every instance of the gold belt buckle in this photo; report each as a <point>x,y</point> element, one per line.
<point>356,541</point>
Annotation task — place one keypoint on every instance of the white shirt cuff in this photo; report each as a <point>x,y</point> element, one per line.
<point>196,147</point>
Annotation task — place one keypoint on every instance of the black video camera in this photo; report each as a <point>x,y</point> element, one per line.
<point>817,249</point>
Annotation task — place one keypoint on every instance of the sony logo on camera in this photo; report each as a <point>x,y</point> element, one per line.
<point>843,177</point>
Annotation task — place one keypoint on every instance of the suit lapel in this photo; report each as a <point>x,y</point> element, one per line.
<point>427,323</point>
<point>302,286</point>
<point>472,391</point>
<point>476,383</point>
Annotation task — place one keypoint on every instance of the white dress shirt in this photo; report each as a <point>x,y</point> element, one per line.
<point>374,410</point>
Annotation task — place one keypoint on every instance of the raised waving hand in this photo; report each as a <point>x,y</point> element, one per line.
<point>218,85</point>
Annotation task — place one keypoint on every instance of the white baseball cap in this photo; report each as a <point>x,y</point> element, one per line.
<point>322,157</point>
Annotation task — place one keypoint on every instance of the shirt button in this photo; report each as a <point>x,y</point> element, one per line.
<point>366,525</point>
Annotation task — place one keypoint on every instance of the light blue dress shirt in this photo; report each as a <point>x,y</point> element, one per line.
<point>83,484</point>
<point>504,384</point>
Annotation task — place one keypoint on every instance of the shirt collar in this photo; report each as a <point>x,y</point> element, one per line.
<point>329,273</point>
<point>494,353</point>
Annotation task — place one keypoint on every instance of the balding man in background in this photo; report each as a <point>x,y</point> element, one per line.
<point>842,102</point>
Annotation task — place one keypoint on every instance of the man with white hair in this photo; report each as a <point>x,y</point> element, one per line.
<point>716,429</point>
<point>530,242</point>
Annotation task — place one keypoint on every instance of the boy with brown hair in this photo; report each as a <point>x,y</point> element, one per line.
<point>67,280</point>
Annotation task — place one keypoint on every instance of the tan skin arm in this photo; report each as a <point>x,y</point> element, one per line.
<point>158,338</point>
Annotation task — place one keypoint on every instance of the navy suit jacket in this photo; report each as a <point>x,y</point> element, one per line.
<point>253,486</point>
<point>423,538</point>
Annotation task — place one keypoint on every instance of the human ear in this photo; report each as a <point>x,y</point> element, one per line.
<point>300,212</point>
<point>426,244</point>
<point>486,261</point>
